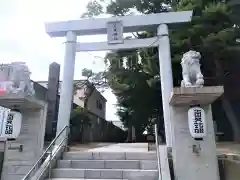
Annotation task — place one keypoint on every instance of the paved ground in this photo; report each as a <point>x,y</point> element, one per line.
<point>222,148</point>
<point>111,147</point>
<point>85,147</point>
<point>123,147</point>
<point>228,148</point>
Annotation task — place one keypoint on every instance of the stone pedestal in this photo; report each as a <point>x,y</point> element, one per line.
<point>23,152</point>
<point>189,165</point>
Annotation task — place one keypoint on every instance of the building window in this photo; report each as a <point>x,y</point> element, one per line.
<point>99,105</point>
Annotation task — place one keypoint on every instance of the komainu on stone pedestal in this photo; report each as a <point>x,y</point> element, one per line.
<point>191,72</point>
<point>15,79</point>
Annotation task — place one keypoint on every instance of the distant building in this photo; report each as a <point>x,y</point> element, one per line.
<point>96,102</point>
<point>100,129</point>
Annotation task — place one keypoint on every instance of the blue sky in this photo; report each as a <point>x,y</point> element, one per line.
<point>23,38</point>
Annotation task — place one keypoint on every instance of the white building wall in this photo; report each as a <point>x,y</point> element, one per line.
<point>77,98</point>
<point>96,103</point>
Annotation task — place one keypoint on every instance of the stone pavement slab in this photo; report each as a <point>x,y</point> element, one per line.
<point>122,147</point>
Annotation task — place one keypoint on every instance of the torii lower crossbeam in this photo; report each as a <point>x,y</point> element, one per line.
<point>128,44</point>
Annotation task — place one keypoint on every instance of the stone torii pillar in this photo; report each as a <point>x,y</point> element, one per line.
<point>166,78</point>
<point>66,94</point>
<point>115,27</point>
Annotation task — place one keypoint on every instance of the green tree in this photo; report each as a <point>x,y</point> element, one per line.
<point>213,32</point>
<point>139,73</point>
<point>78,119</point>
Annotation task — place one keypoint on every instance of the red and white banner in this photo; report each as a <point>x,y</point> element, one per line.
<point>3,87</point>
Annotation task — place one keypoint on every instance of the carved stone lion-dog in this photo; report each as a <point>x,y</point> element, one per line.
<point>191,72</point>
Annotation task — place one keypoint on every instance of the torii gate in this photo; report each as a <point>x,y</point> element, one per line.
<point>115,27</point>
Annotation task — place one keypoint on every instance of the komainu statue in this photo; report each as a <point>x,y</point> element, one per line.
<point>15,78</point>
<point>21,78</point>
<point>191,72</point>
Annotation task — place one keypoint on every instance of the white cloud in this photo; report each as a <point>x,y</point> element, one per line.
<point>23,38</point>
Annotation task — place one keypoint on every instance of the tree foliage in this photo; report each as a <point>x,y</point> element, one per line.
<point>212,33</point>
<point>133,75</point>
<point>78,119</point>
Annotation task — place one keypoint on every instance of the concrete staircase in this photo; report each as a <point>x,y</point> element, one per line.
<point>107,166</point>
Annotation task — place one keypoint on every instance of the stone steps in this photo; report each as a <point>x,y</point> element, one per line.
<point>108,164</point>
<point>81,179</point>
<point>110,156</point>
<point>104,173</point>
